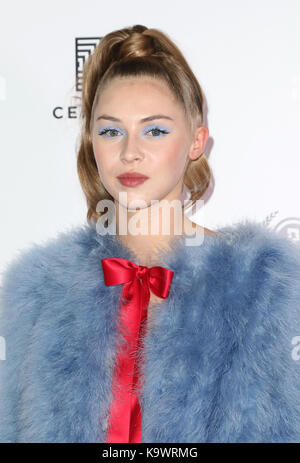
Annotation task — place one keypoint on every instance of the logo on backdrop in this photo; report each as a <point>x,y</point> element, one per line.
<point>289,227</point>
<point>84,47</point>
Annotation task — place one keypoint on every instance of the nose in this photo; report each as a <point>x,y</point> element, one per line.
<point>131,149</point>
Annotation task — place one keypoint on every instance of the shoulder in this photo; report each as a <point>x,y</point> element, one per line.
<point>67,245</point>
<point>256,273</point>
<point>261,290</point>
<point>43,268</point>
<point>254,246</point>
<point>266,255</point>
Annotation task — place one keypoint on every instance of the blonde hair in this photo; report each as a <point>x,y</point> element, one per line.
<point>130,52</point>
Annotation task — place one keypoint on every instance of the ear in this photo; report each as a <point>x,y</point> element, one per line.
<point>200,136</point>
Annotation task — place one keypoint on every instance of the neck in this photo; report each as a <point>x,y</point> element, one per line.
<point>149,230</point>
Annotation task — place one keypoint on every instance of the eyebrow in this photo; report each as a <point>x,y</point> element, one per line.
<point>145,119</point>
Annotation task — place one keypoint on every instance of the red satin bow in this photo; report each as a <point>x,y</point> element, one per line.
<point>125,418</point>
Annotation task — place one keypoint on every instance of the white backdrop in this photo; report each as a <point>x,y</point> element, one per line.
<point>246,57</point>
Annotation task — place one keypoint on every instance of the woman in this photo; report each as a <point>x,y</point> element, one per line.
<point>187,335</point>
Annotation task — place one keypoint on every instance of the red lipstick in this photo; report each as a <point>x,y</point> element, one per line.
<point>132,179</point>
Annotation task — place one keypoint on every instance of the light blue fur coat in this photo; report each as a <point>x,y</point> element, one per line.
<point>221,360</point>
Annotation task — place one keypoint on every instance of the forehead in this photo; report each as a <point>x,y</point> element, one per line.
<point>137,86</point>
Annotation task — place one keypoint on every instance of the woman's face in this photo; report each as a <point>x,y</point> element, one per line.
<point>122,142</point>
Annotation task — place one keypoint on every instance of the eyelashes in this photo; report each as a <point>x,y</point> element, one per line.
<point>157,129</point>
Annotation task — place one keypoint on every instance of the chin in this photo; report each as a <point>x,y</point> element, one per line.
<point>132,201</point>
<point>137,204</point>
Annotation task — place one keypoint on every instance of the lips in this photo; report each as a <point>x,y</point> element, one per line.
<point>132,179</point>
<point>132,175</point>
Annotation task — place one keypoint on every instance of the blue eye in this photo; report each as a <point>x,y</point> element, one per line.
<point>106,130</point>
<point>161,131</point>
<point>157,129</point>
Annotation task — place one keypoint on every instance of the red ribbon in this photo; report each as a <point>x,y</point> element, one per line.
<point>125,417</point>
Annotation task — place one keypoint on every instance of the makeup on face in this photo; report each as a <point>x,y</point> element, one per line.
<point>132,182</point>
<point>158,129</point>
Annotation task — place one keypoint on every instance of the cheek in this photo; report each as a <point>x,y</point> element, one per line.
<point>174,158</point>
<point>102,160</point>
<point>96,152</point>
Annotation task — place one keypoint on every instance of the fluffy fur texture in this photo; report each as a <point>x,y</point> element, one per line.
<point>218,359</point>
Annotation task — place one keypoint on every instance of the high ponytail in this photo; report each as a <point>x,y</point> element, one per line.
<point>130,52</point>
